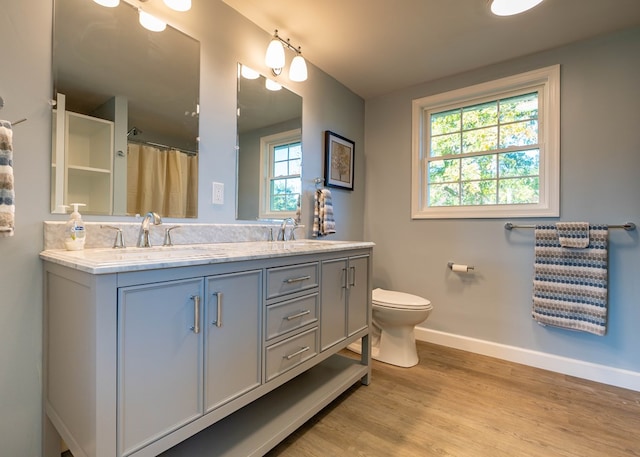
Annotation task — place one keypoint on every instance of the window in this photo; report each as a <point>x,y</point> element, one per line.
<point>281,167</point>
<point>490,150</point>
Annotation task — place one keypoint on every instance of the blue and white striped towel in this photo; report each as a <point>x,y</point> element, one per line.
<point>323,222</point>
<point>569,284</point>
<point>7,193</point>
<point>573,234</point>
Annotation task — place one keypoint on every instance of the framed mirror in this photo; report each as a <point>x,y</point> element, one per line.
<point>269,149</point>
<point>125,125</point>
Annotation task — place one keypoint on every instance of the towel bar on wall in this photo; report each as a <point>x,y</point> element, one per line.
<point>628,226</point>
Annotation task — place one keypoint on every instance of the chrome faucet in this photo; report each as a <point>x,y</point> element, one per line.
<point>283,229</point>
<point>143,236</point>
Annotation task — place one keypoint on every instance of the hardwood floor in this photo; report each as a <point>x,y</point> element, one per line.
<point>460,404</point>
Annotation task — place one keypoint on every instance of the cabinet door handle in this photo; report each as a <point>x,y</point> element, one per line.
<point>299,279</point>
<point>346,279</point>
<point>196,313</point>
<point>297,315</point>
<point>218,321</point>
<point>301,351</point>
<point>352,270</point>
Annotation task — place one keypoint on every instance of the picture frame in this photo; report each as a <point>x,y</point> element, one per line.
<point>339,161</point>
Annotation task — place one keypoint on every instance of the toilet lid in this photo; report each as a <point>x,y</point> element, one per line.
<point>393,299</point>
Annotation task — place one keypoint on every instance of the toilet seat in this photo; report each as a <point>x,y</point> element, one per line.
<point>399,300</point>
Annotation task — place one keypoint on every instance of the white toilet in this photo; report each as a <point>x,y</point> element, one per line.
<point>395,314</point>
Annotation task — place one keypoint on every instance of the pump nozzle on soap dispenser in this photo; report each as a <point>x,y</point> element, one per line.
<point>75,233</point>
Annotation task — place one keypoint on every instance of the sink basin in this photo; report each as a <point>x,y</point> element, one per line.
<point>107,259</point>
<point>146,254</point>
<point>303,243</point>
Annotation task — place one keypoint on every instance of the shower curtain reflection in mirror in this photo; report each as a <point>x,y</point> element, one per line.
<point>162,180</point>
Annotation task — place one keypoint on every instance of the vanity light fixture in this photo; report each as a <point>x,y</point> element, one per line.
<point>108,3</point>
<point>512,7</point>
<point>150,22</point>
<point>275,59</point>
<point>249,73</point>
<point>178,5</point>
<point>272,85</point>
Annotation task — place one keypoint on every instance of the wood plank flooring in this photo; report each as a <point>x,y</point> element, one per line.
<point>455,403</point>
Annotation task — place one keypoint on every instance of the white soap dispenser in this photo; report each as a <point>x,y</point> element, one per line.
<point>75,233</point>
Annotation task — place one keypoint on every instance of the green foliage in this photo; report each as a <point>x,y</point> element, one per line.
<point>505,130</point>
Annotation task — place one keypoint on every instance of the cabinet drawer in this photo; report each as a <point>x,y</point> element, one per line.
<point>293,278</point>
<point>291,352</point>
<point>291,314</point>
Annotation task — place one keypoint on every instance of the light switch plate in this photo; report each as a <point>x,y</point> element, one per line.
<point>218,193</point>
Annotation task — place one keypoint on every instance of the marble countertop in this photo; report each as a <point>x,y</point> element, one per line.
<point>109,260</point>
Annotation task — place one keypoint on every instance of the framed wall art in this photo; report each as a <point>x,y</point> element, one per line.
<point>338,164</point>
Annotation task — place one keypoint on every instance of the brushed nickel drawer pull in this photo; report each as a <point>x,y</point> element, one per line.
<point>300,314</point>
<point>301,351</point>
<point>196,313</point>
<point>218,321</point>
<point>300,279</point>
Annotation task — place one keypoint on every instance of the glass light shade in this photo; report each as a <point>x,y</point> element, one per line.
<point>298,69</point>
<point>249,73</point>
<point>150,22</point>
<point>275,54</point>
<point>108,3</point>
<point>178,5</point>
<point>272,85</point>
<point>511,7</point>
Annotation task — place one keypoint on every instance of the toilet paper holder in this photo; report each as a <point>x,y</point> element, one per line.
<point>460,267</point>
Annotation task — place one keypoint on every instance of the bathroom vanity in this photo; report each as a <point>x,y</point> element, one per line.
<point>236,343</point>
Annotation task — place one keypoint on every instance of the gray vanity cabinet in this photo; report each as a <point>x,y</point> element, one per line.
<point>344,304</point>
<point>137,362</point>
<point>159,361</point>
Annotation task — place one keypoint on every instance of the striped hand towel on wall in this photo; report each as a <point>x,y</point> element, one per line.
<point>323,222</point>
<point>7,195</point>
<point>570,284</point>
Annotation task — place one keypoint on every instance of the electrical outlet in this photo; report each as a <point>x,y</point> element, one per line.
<point>218,193</point>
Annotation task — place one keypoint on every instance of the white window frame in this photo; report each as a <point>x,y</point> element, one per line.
<point>547,82</point>
<point>267,146</point>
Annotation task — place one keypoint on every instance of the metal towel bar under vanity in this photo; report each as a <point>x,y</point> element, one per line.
<point>628,226</point>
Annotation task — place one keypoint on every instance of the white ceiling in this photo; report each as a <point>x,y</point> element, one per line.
<point>377,46</point>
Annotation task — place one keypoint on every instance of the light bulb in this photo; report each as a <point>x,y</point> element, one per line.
<point>178,5</point>
<point>249,73</point>
<point>298,69</point>
<point>275,54</point>
<point>272,85</point>
<point>150,22</point>
<point>108,3</point>
<point>511,7</point>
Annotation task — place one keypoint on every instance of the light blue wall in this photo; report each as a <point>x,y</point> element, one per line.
<point>600,155</point>
<point>25,85</point>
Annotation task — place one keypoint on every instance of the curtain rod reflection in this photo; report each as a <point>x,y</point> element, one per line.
<point>164,146</point>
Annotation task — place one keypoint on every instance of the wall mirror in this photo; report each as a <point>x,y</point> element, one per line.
<point>269,149</point>
<point>125,124</point>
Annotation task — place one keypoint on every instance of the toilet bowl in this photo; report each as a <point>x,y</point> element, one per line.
<point>395,315</point>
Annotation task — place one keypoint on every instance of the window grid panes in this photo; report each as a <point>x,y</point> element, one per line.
<point>285,185</point>
<point>484,154</point>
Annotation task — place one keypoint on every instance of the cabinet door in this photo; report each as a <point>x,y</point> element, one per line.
<point>159,361</point>
<point>357,316</point>
<point>333,299</point>
<point>233,336</point>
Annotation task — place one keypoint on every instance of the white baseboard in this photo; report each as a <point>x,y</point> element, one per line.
<point>599,373</point>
